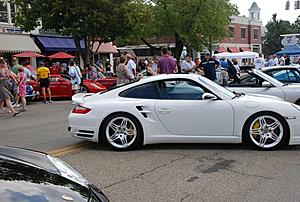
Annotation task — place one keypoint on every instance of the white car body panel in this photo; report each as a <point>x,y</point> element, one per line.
<point>290,93</point>
<point>177,121</point>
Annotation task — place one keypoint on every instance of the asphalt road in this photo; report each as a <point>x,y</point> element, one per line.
<point>169,172</point>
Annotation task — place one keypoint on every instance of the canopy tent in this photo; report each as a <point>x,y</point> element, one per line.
<point>29,55</point>
<point>291,50</point>
<point>240,55</point>
<point>61,55</point>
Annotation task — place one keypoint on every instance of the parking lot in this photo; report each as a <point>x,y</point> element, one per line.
<point>166,172</point>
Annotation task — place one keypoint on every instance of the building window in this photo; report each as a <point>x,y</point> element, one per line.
<point>231,32</point>
<point>252,15</point>
<point>255,34</point>
<point>287,5</point>
<point>243,33</point>
<point>13,9</point>
<point>3,12</point>
<point>297,4</point>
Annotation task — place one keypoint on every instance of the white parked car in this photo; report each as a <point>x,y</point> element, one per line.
<point>182,108</point>
<point>257,82</point>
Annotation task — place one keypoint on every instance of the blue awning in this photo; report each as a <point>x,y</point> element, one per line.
<point>291,50</point>
<point>58,43</point>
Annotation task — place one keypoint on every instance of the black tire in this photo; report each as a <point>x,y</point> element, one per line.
<point>106,131</point>
<point>256,140</point>
<point>297,102</point>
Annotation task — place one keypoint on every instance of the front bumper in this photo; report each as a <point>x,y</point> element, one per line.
<point>295,130</point>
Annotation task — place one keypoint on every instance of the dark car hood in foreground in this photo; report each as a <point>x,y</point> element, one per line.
<point>29,176</point>
<point>21,182</point>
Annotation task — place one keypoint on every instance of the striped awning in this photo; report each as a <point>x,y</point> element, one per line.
<point>17,43</point>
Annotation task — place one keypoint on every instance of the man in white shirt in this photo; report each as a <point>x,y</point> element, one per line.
<point>76,76</point>
<point>131,65</point>
<point>259,62</point>
<point>188,65</point>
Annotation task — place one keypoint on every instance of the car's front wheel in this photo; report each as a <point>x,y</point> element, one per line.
<point>266,131</point>
<point>122,132</point>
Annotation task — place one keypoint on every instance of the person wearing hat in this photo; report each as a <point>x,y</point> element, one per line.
<point>209,66</point>
<point>188,65</point>
<point>43,74</point>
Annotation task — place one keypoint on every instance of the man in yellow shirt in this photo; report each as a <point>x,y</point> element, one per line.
<point>43,74</point>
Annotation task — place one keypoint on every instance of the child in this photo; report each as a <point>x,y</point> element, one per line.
<point>21,89</point>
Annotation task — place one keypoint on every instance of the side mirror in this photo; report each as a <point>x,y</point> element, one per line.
<point>209,96</point>
<point>266,84</point>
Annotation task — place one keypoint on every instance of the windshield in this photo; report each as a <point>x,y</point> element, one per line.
<point>268,78</point>
<point>217,87</point>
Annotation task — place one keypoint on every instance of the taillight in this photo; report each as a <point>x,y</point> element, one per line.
<point>81,110</point>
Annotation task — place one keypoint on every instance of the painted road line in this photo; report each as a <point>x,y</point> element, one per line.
<point>68,149</point>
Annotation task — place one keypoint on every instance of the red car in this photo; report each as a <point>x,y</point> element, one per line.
<point>61,86</point>
<point>108,82</point>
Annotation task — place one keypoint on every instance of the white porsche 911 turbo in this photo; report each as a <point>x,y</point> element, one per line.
<point>183,108</point>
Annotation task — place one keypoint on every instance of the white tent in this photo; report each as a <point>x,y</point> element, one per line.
<point>241,55</point>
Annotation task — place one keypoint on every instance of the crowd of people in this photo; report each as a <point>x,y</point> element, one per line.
<point>14,77</point>
<point>219,71</point>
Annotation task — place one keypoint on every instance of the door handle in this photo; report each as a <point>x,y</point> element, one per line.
<point>164,111</point>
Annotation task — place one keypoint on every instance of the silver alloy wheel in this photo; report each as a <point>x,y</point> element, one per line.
<point>121,132</point>
<point>266,131</point>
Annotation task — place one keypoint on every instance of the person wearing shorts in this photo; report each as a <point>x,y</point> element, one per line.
<point>44,80</point>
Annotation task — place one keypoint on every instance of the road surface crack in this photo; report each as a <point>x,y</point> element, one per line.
<point>146,172</point>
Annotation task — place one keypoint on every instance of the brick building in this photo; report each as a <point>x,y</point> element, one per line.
<point>245,33</point>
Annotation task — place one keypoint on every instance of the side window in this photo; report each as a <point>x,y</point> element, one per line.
<point>281,75</point>
<point>180,90</point>
<point>293,75</point>
<point>144,91</point>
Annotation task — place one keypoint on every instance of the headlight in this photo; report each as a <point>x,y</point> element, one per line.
<point>296,106</point>
<point>67,171</point>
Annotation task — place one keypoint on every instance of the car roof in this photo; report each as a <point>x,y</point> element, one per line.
<point>169,76</point>
<point>279,68</point>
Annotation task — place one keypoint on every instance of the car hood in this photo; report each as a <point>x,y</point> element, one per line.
<point>22,182</point>
<point>265,96</point>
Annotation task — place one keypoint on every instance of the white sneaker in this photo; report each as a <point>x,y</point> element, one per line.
<point>16,105</point>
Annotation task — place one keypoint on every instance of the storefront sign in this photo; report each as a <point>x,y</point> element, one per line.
<point>47,31</point>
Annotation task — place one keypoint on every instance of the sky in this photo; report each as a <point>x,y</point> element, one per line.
<point>268,8</point>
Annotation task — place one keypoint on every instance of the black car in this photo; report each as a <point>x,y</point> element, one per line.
<point>32,176</point>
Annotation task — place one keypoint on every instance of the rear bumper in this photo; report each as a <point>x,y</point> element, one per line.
<point>84,127</point>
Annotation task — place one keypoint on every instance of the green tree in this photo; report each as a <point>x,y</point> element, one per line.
<point>193,23</point>
<point>296,25</point>
<point>87,20</point>
<point>272,39</point>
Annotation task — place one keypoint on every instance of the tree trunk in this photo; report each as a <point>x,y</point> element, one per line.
<point>178,50</point>
<point>152,48</point>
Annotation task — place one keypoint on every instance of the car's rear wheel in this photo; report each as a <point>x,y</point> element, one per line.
<point>297,102</point>
<point>122,132</point>
<point>266,131</point>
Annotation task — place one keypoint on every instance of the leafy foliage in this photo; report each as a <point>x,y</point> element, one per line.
<point>272,39</point>
<point>194,23</point>
<point>89,19</point>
